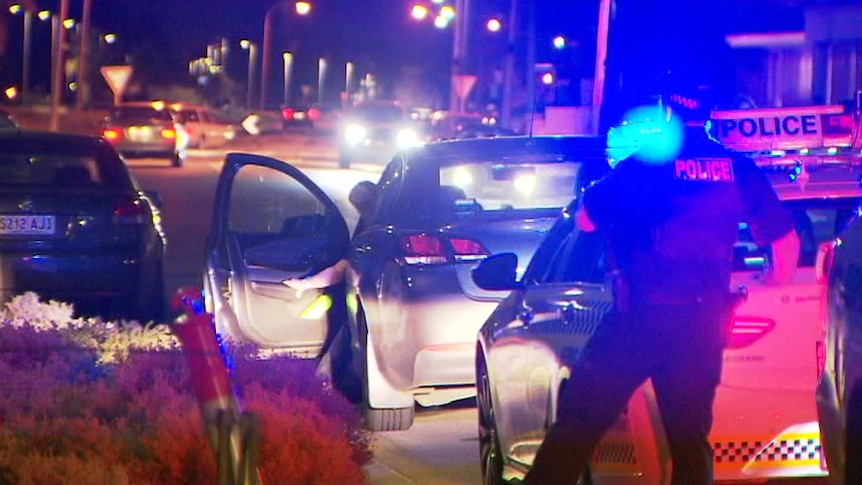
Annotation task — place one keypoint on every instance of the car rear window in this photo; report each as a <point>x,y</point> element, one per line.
<point>474,187</point>
<point>140,113</point>
<point>54,170</point>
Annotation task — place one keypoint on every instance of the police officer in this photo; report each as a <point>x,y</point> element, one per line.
<point>671,218</point>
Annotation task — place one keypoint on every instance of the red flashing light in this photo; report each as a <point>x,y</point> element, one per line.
<point>745,330</point>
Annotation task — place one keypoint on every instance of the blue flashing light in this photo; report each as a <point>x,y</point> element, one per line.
<point>652,134</point>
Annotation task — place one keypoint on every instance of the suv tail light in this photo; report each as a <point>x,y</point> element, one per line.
<point>130,211</point>
<point>430,249</point>
<point>745,330</point>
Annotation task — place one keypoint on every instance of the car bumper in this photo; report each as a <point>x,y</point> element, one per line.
<point>429,339</point>
<point>765,435</point>
<point>82,279</point>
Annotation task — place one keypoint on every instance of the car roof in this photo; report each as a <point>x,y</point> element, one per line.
<point>50,139</point>
<point>516,147</point>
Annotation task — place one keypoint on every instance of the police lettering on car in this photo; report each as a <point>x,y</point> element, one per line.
<point>769,126</point>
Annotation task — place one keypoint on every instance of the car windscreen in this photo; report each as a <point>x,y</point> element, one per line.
<point>379,114</point>
<point>55,170</point>
<point>490,187</point>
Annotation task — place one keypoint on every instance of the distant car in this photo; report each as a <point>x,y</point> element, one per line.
<point>373,131</point>
<point>76,227</point>
<point>147,130</point>
<point>296,117</point>
<point>413,311</point>
<point>204,126</point>
<point>448,126</point>
<point>765,424</point>
<point>839,394</point>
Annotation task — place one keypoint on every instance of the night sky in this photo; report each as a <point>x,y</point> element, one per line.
<point>376,35</point>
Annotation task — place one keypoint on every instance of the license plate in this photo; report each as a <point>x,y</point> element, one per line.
<point>21,225</point>
<point>140,133</point>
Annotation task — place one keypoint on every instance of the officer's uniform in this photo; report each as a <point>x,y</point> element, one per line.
<point>671,230</point>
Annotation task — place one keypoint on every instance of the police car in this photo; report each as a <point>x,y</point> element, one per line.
<point>765,423</point>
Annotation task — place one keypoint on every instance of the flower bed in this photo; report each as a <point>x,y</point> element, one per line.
<point>91,402</point>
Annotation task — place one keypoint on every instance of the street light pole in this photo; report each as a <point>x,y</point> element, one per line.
<point>252,60</point>
<point>59,36</point>
<point>288,67</point>
<point>83,76</point>
<point>25,75</point>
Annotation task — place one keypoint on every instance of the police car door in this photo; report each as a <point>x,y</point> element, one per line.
<point>270,223</point>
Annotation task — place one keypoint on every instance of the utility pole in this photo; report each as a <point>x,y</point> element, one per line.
<point>57,66</point>
<point>83,97</point>
<point>604,22</point>
<point>459,50</point>
<point>509,65</point>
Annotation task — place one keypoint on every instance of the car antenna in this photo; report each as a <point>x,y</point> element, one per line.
<point>534,101</point>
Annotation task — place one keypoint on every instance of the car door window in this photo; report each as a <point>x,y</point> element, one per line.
<point>386,210</point>
<point>278,222</point>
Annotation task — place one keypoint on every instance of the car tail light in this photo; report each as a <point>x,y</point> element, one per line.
<point>423,249</point>
<point>113,134</point>
<point>314,114</point>
<point>468,250</point>
<point>745,330</point>
<point>130,211</point>
<point>287,114</point>
<point>170,133</point>
<point>430,249</point>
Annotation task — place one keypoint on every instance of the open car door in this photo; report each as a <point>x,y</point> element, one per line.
<point>271,223</point>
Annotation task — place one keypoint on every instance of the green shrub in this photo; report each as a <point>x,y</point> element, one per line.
<point>110,403</point>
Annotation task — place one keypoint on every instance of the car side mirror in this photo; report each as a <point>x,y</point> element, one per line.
<point>497,273</point>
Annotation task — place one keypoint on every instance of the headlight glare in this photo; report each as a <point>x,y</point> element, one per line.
<point>407,138</point>
<point>354,134</point>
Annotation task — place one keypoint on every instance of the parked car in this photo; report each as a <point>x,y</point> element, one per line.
<point>839,394</point>
<point>204,126</point>
<point>373,131</point>
<point>75,226</point>
<point>296,117</point>
<point>412,310</point>
<point>765,413</point>
<point>147,129</point>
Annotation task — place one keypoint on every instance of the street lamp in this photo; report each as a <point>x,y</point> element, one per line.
<point>288,66</point>
<point>251,47</point>
<point>302,9</point>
